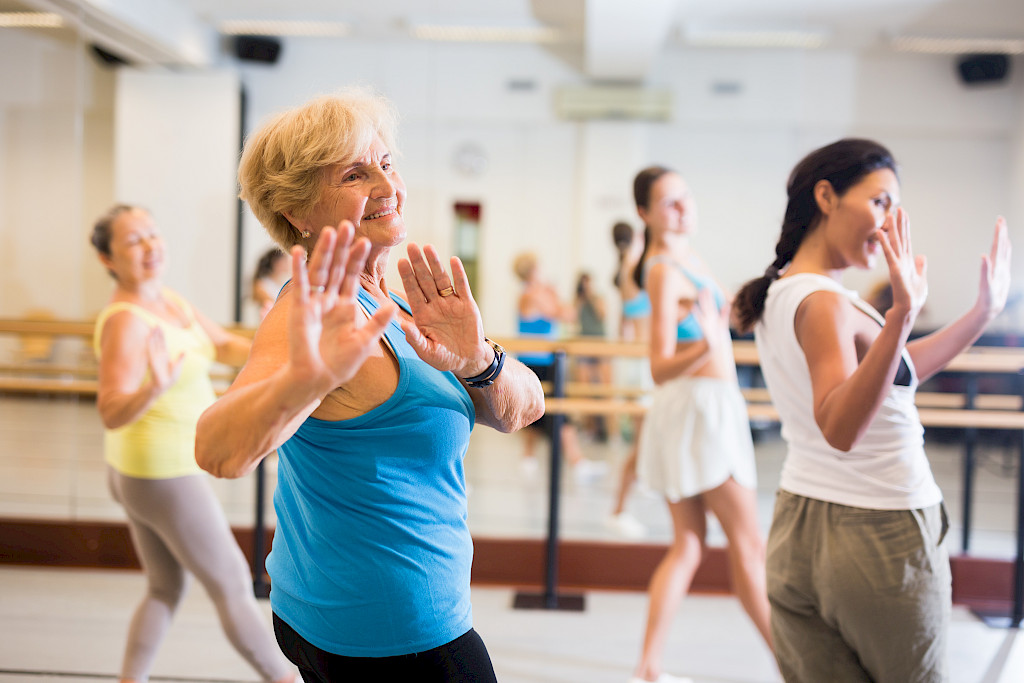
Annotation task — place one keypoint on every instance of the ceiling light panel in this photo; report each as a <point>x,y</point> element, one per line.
<point>257,27</point>
<point>938,45</point>
<point>30,20</point>
<point>486,34</point>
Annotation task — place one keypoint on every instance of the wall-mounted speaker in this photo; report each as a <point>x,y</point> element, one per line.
<point>983,68</point>
<point>257,48</point>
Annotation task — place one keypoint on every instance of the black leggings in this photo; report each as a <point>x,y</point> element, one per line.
<point>464,660</point>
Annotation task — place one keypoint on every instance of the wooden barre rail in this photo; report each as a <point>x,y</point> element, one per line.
<point>976,359</point>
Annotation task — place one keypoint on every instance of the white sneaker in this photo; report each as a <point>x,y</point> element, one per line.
<point>663,678</point>
<point>626,525</point>
<point>589,470</point>
<point>530,466</point>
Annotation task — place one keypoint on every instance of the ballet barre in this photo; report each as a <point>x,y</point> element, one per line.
<point>969,410</point>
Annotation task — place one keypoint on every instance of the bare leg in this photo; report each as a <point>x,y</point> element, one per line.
<point>571,443</point>
<point>671,581</point>
<point>628,477</point>
<point>736,509</point>
<point>626,481</point>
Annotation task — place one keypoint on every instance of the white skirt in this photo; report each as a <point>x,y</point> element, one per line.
<point>694,437</point>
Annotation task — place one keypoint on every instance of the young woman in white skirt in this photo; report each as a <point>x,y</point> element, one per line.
<point>695,445</point>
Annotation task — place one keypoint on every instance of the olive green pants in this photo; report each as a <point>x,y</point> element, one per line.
<point>857,594</point>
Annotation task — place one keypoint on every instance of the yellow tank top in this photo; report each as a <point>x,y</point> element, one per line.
<point>161,443</point>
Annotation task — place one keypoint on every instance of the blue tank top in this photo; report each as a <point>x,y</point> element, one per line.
<point>543,328</point>
<point>688,329</point>
<point>637,307</point>
<point>372,552</point>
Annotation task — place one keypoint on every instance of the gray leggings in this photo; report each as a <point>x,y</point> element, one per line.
<point>179,528</point>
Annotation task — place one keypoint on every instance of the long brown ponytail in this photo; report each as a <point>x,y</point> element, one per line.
<point>642,184</point>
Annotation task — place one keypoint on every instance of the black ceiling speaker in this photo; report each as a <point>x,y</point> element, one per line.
<point>257,48</point>
<point>990,68</point>
<point>106,57</point>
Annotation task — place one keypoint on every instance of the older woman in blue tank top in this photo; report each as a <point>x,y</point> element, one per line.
<point>695,446</point>
<point>369,398</point>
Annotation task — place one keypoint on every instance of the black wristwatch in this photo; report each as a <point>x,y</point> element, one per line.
<point>486,378</point>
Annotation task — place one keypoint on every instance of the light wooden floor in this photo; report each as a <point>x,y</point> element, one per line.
<point>67,626</point>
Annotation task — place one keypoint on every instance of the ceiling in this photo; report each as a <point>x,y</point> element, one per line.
<point>605,39</point>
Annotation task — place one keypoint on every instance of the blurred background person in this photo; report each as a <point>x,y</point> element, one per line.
<point>272,271</point>
<point>634,326</point>
<point>590,317</point>
<point>695,446</point>
<point>540,312</point>
<point>154,353</point>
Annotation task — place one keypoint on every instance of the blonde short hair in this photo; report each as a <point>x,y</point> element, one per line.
<point>524,265</point>
<point>283,163</point>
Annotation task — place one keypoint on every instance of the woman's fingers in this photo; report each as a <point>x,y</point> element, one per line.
<point>443,283</point>
<point>425,277</point>
<point>460,281</point>
<point>337,261</point>
<point>1000,252</point>
<point>320,260</point>
<point>353,267</point>
<point>410,283</point>
<point>300,276</point>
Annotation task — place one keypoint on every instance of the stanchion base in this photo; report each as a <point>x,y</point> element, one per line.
<point>997,619</point>
<point>568,603</point>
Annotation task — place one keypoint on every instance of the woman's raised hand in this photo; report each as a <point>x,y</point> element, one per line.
<point>907,273</point>
<point>995,272</point>
<point>713,322</point>
<point>162,370</point>
<point>446,331</point>
<point>329,339</point>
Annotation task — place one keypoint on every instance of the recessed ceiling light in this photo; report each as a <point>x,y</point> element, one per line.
<point>487,34</point>
<point>937,45</point>
<point>30,20</point>
<point>258,27</point>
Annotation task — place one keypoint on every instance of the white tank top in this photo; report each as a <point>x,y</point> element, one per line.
<point>887,469</point>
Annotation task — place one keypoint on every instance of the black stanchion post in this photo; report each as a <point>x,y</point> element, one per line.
<point>259,572</point>
<point>550,598</point>
<point>970,440</point>
<point>1013,619</point>
<point>1018,565</point>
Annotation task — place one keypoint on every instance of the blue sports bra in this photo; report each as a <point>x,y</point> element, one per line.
<point>637,307</point>
<point>688,328</point>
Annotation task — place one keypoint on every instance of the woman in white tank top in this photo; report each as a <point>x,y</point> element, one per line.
<point>857,577</point>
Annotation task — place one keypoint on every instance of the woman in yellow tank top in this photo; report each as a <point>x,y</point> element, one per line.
<point>155,353</point>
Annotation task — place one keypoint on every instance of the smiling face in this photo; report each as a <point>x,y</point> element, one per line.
<point>670,208</point>
<point>367,191</point>
<point>851,222</point>
<point>136,248</point>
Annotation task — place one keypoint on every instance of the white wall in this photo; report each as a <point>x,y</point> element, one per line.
<point>50,98</point>
<point>556,187</point>
<point>176,152</point>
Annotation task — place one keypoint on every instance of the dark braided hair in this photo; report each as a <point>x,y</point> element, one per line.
<point>622,237</point>
<point>642,185</point>
<point>843,164</point>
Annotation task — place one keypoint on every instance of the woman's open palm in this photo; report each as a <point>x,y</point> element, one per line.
<point>907,273</point>
<point>329,338</point>
<point>446,331</point>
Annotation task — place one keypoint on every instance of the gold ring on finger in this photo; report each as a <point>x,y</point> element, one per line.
<point>447,291</point>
